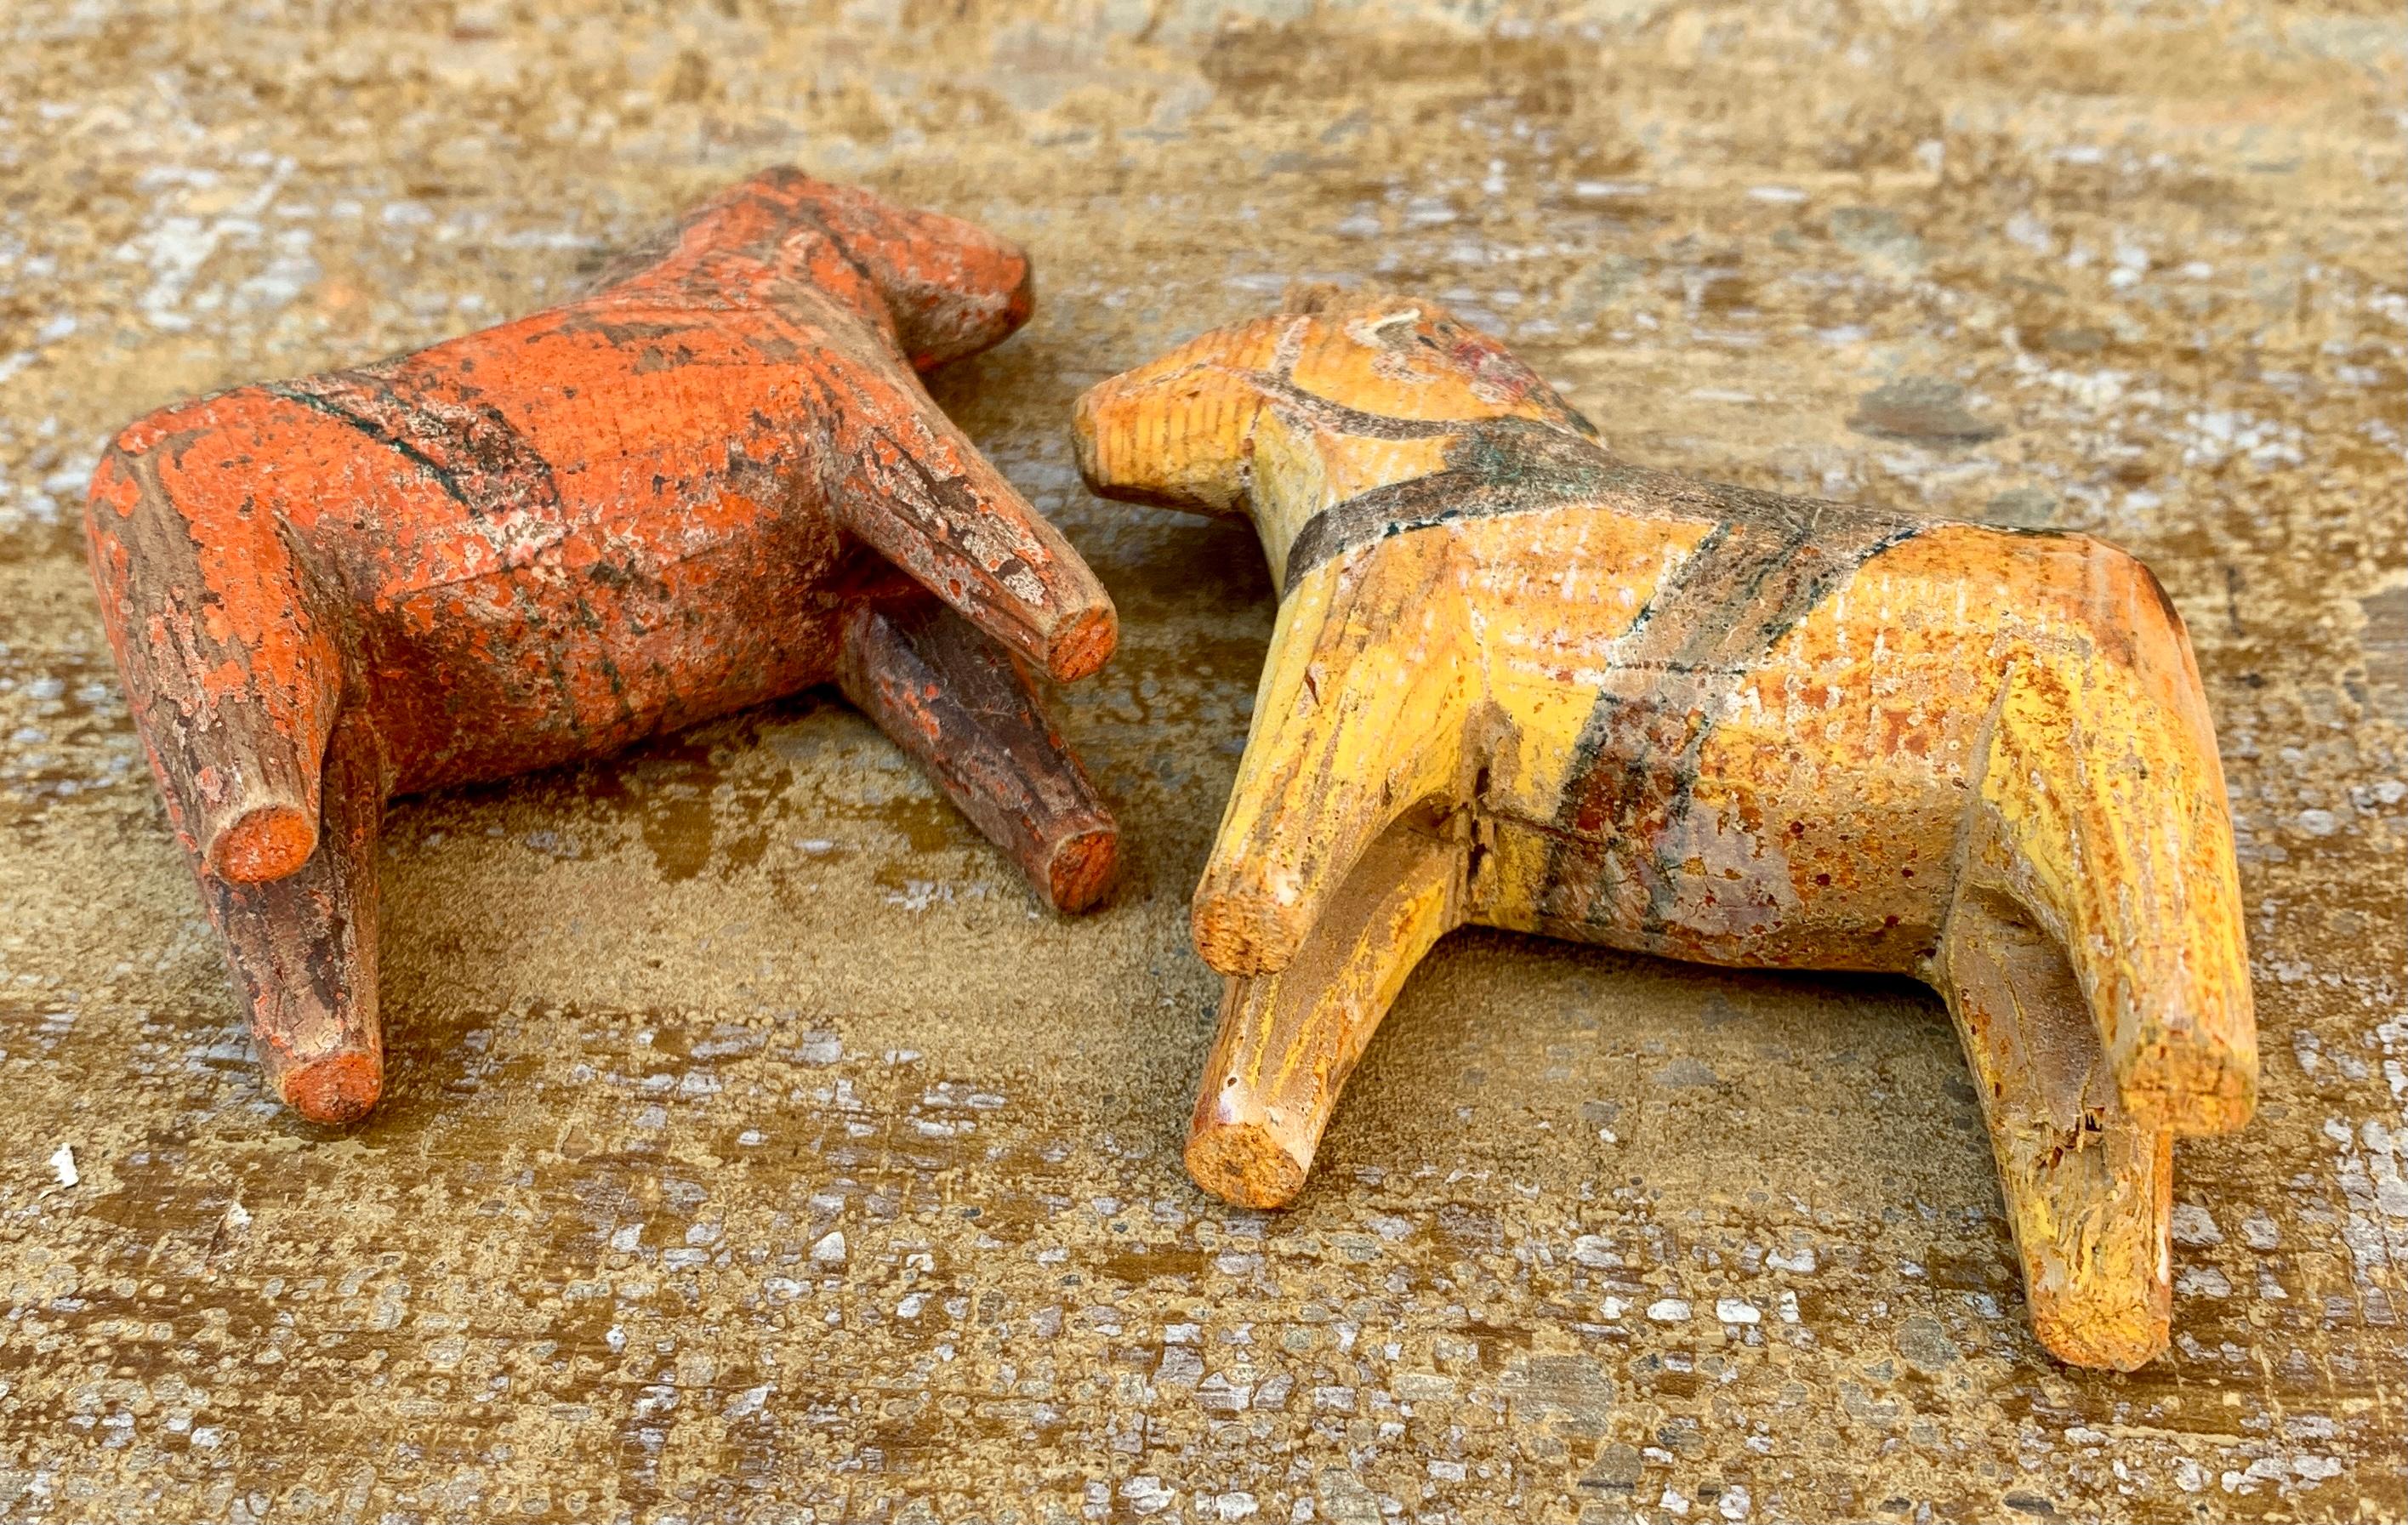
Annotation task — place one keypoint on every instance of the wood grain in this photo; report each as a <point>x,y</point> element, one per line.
<point>1703,722</point>
<point>658,503</point>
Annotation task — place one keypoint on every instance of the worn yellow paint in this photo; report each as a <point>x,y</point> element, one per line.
<point>1529,696</point>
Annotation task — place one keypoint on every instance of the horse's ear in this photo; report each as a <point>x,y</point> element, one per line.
<point>1304,297</point>
<point>953,287</point>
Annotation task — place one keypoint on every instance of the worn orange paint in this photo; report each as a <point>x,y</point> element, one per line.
<point>1519,682</point>
<point>714,480</point>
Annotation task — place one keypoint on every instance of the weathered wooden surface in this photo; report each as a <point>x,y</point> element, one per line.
<point>1605,703</point>
<point>713,482</point>
<point>664,1026</point>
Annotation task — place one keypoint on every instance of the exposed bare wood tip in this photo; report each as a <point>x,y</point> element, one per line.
<point>1243,934</point>
<point>2195,1090</point>
<point>1084,643</point>
<point>1243,1161</point>
<point>335,1091</point>
<point>263,843</point>
<point>1083,869</point>
<point>2122,1338</point>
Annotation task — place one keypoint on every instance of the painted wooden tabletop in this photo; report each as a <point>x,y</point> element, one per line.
<point>754,1148</point>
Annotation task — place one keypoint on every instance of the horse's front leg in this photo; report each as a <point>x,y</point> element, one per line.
<point>968,711</point>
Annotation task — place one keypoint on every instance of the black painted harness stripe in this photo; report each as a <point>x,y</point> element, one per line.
<point>468,447</point>
<point>1635,766</point>
<point>1766,564</point>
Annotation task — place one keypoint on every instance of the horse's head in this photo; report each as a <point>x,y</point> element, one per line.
<point>953,288</point>
<point>950,287</point>
<point>1238,423</point>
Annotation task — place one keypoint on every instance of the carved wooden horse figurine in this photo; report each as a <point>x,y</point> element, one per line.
<point>713,480</point>
<point>1519,682</point>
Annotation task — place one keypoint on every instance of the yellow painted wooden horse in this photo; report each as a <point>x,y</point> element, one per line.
<point>1519,683</point>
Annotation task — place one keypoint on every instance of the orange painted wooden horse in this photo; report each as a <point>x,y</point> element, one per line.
<point>713,480</point>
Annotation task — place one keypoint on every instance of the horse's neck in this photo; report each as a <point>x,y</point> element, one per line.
<point>803,273</point>
<point>1299,472</point>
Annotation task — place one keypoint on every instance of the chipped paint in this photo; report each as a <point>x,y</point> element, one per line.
<point>437,1319</point>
